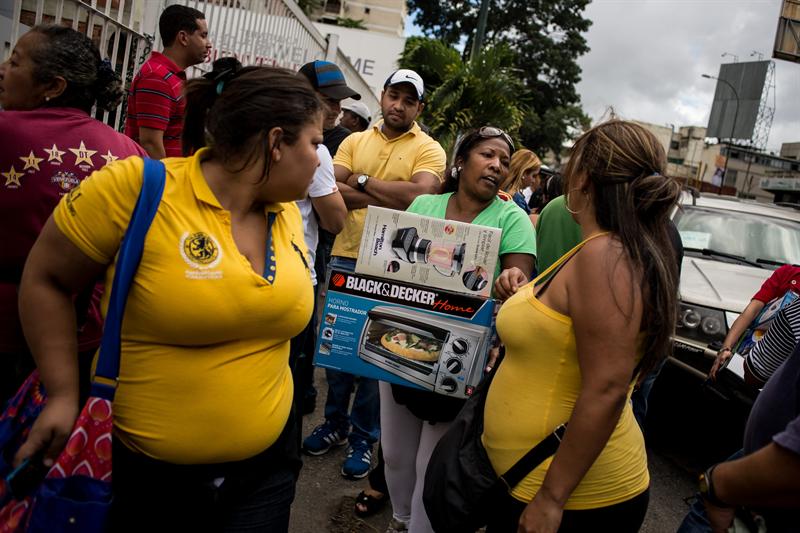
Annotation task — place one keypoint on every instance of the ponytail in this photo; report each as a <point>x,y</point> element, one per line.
<point>200,96</point>
<point>108,87</point>
<point>633,199</point>
<point>71,55</point>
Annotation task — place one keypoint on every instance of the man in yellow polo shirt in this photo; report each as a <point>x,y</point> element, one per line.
<point>388,165</point>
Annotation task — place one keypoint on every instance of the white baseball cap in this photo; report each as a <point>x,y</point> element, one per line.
<point>360,109</point>
<point>405,75</point>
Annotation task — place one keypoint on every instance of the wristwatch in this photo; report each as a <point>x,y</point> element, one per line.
<point>362,182</point>
<point>707,488</point>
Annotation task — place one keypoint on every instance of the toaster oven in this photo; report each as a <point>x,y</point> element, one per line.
<point>439,354</point>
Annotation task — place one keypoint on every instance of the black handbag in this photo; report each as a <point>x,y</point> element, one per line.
<point>461,486</point>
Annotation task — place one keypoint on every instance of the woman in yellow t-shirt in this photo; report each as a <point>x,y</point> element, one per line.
<point>575,342</point>
<point>203,434</point>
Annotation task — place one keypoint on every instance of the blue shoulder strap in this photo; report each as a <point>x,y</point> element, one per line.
<point>130,253</point>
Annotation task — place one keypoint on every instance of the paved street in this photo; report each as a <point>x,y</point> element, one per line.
<point>677,444</point>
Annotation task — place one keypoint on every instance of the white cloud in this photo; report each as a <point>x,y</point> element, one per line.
<point>647,57</point>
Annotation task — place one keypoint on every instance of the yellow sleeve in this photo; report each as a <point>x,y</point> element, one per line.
<point>344,155</point>
<point>431,159</point>
<point>95,215</point>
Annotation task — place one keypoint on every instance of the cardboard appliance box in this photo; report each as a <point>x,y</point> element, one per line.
<point>427,251</point>
<point>402,333</point>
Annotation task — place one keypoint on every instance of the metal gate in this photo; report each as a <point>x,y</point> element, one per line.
<point>258,32</point>
<point>109,23</point>
<point>272,32</point>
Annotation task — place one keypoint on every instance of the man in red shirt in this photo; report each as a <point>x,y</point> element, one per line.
<point>783,280</point>
<point>155,103</point>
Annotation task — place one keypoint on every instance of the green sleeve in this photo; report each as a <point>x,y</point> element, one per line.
<point>556,232</point>
<point>519,236</point>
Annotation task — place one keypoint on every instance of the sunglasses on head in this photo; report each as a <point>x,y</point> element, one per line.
<point>489,132</point>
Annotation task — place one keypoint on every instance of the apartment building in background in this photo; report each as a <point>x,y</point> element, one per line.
<point>763,176</point>
<point>385,16</point>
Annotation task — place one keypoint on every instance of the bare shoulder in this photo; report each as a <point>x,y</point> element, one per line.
<point>603,267</point>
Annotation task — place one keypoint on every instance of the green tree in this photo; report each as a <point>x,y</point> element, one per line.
<point>346,22</point>
<point>462,94</point>
<point>308,6</point>
<point>546,37</point>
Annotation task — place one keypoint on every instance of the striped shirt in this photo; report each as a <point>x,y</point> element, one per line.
<point>777,344</point>
<point>156,101</point>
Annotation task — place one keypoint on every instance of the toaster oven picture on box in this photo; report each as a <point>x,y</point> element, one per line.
<point>428,251</point>
<point>401,333</point>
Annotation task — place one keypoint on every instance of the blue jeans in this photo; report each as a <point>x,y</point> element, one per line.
<point>696,520</point>
<point>365,414</point>
<point>640,395</point>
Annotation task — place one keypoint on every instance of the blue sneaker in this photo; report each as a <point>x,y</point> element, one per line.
<point>323,438</point>
<point>359,459</point>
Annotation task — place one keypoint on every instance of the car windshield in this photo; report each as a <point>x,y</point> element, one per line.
<point>767,240</point>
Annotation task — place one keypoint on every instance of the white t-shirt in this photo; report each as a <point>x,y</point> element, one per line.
<point>323,184</point>
<point>527,193</point>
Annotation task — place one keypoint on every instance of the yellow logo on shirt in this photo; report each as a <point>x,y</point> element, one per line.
<point>200,250</point>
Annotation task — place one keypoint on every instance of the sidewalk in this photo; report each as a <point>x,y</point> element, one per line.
<point>324,500</point>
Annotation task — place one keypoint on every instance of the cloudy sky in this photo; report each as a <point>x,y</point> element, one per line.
<point>647,57</point>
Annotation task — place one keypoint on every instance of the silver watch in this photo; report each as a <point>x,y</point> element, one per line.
<point>362,182</point>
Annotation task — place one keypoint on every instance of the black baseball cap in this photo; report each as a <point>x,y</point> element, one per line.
<point>328,79</point>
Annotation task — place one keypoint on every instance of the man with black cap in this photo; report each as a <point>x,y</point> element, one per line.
<point>328,80</point>
<point>387,165</point>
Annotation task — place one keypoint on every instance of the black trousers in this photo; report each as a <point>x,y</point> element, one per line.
<point>625,517</point>
<point>252,495</point>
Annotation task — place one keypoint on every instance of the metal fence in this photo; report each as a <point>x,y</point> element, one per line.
<point>258,32</point>
<point>272,32</point>
<point>109,23</point>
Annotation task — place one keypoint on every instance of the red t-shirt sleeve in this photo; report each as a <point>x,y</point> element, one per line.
<point>154,102</point>
<point>775,286</point>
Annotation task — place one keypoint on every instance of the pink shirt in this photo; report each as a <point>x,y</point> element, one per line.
<point>43,155</point>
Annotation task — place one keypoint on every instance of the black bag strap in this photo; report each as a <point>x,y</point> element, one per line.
<point>547,447</point>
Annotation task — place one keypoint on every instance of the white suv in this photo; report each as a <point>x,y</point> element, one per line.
<point>731,247</point>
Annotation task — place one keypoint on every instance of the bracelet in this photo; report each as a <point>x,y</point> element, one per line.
<point>707,488</point>
<point>724,349</point>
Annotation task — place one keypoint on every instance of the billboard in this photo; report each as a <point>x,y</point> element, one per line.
<point>740,104</point>
<point>787,38</point>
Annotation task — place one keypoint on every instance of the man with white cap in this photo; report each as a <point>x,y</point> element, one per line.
<point>355,116</point>
<point>388,165</point>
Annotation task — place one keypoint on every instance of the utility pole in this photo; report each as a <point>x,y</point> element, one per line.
<point>477,43</point>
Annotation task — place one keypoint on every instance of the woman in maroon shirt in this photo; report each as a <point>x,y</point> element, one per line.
<point>48,87</point>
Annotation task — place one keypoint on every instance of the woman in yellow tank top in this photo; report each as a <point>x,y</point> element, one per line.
<point>575,342</point>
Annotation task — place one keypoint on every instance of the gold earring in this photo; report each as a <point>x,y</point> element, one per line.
<point>566,202</point>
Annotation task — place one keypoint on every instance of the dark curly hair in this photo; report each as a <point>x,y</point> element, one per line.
<point>66,53</point>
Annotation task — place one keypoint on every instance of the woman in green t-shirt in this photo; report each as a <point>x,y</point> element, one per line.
<point>412,421</point>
